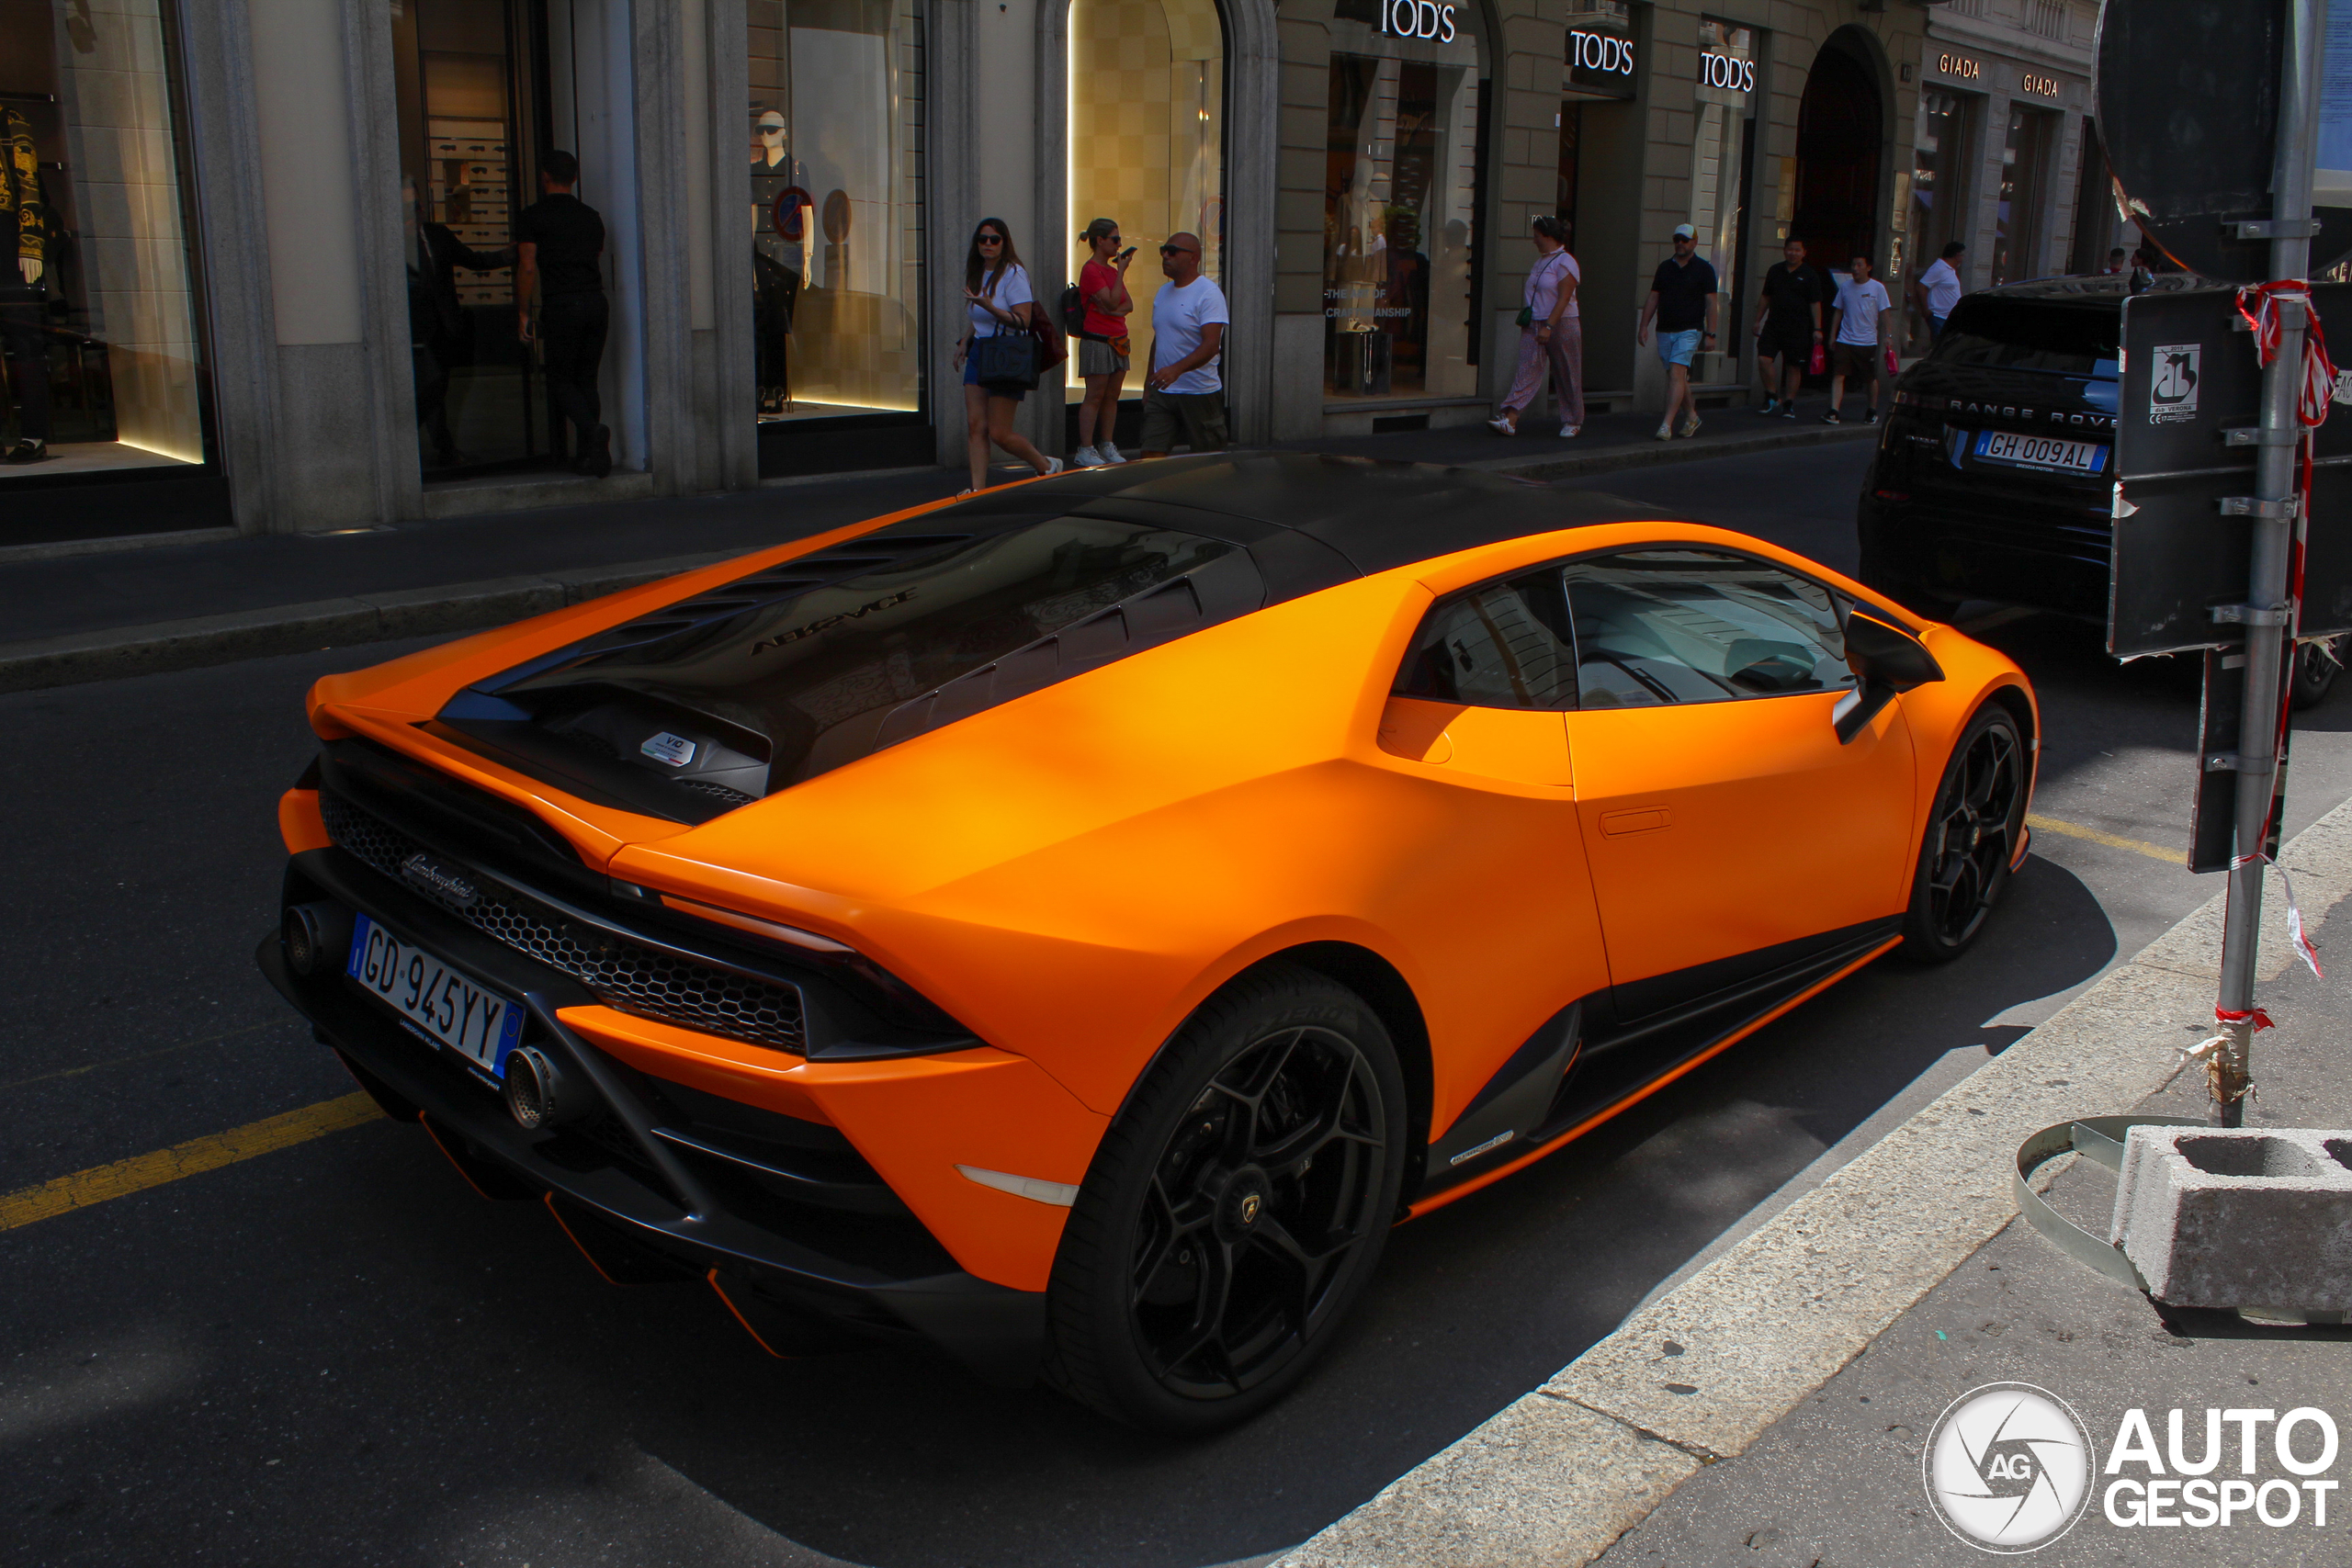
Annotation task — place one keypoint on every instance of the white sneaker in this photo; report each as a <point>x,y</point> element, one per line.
<point>1666,429</point>
<point>1053,466</point>
<point>1108,453</point>
<point>1690,425</point>
<point>1569,430</point>
<point>1085,458</point>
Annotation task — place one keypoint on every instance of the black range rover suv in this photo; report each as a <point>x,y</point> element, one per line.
<point>1993,478</point>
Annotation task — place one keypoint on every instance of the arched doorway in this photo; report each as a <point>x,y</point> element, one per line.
<point>1841,135</point>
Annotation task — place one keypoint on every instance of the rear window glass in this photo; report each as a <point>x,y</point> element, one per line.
<point>2027,334</point>
<point>816,673</point>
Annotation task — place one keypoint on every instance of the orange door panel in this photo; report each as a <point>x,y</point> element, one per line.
<point>1512,757</point>
<point>1717,829</point>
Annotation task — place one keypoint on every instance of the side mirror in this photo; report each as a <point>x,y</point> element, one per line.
<point>1886,661</point>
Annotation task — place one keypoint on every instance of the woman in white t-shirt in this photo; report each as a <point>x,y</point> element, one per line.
<point>996,287</point>
<point>1553,338</point>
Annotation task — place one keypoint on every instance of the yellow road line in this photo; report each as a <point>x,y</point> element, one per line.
<point>2113,840</point>
<point>124,1177</point>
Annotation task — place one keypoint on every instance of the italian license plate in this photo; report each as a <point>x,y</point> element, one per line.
<point>438,999</point>
<point>2047,453</point>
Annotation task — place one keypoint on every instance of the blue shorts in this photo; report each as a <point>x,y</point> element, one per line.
<point>1004,389</point>
<point>1675,348</point>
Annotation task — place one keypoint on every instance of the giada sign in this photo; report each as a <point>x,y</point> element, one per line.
<point>1417,18</point>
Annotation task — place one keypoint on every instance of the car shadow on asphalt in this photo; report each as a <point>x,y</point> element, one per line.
<point>896,1460</point>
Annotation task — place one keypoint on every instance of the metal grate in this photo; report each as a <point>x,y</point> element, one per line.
<point>624,976</point>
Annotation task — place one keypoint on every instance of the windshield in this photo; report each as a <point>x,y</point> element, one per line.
<point>810,679</point>
<point>2027,334</point>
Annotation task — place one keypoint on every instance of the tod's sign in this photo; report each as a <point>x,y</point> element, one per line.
<point>1417,18</point>
<point>1600,63</point>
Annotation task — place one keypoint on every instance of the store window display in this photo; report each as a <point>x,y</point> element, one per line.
<point>98,319</point>
<point>1147,139</point>
<point>835,207</point>
<point>1400,202</point>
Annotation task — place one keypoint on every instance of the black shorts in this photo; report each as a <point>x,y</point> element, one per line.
<point>1786,343</point>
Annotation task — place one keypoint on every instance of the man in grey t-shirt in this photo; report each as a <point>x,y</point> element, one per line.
<point>1184,393</point>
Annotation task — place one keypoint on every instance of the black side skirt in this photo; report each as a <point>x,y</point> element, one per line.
<point>1584,1061</point>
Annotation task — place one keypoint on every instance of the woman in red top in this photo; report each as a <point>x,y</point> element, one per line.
<point>1103,352</point>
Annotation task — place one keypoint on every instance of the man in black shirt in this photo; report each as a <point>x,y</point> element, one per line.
<point>1682,298</point>
<point>1788,323</point>
<point>559,239</point>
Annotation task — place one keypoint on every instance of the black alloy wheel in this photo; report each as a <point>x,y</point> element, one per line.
<point>2315,667</point>
<point>1236,1209</point>
<point>1972,838</point>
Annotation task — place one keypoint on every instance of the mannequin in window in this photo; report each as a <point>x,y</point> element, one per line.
<point>22,296</point>
<point>779,253</point>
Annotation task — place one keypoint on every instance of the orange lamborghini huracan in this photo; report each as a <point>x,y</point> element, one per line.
<point>1069,926</point>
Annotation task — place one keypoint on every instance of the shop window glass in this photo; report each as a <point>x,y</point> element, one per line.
<point>2017,230</point>
<point>474,115</point>
<point>97,297</point>
<point>1720,171</point>
<point>1400,202</point>
<point>1147,143</point>
<point>1940,163</point>
<point>834,202</point>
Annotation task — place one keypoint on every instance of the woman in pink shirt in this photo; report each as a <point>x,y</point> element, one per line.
<point>1552,338</point>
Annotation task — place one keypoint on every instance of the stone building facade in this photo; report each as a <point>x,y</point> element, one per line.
<point>789,187</point>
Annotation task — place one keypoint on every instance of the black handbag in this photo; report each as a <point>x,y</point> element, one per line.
<point>1005,358</point>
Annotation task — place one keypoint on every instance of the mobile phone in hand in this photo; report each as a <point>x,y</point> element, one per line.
<point>1126,254</point>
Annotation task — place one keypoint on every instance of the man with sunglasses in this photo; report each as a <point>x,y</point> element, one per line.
<point>1682,298</point>
<point>1185,393</point>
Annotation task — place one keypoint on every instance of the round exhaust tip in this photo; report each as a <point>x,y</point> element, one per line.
<point>312,943</point>
<point>535,1093</point>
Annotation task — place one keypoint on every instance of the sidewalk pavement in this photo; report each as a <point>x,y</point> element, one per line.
<point>91,616</point>
<point>1772,1410</point>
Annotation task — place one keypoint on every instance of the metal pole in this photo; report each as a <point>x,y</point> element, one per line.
<point>2267,648</point>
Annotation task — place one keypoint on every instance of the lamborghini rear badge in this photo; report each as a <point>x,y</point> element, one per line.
<point>674,750</point>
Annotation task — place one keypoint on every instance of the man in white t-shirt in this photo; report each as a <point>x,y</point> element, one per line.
<point>1936,289</point>
<point>1858,324</point>
<point>1184,394</point>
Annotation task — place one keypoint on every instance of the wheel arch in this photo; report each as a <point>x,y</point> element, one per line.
<point>2021,707</point>
<point>1390,996</point>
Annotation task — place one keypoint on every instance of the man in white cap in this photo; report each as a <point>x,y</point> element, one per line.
<point>1682,298</point>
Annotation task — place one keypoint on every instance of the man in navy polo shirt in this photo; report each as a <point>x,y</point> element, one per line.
<point>1682,298</point>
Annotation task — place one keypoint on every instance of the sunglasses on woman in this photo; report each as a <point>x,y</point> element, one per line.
<point>991,239</point>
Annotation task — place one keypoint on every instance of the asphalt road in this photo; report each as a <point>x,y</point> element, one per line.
<point>335,1353</point>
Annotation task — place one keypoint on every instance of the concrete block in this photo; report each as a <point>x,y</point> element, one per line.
<point>2242,1217</point>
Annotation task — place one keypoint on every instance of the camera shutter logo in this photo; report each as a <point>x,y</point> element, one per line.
<point>2008,1467</point>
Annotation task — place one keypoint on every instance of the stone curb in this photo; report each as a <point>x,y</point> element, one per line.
<point>1650,454</point>
<point>324,623</point>
<point>1698,1374</point>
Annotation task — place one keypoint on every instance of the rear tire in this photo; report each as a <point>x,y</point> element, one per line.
<point>2314,671</point>
<point>1973,834</point>
<point>1235,1211</point>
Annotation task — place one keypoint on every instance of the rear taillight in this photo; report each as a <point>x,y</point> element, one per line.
<point>1891,494</point>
